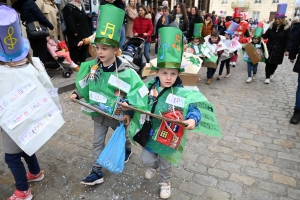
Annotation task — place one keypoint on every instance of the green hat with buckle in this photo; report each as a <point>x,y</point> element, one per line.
<point>170,48</point>
<point>258,32</point>
<point>197,30</point>
<point>109,25</point>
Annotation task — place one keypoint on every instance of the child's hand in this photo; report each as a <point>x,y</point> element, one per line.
<point>191,124</point>
<point>73,96</point>
<point>215,53</point>
<point>55,58</point>
<point>80,43</point>
<point>124,108</point>
<point>126,119</point>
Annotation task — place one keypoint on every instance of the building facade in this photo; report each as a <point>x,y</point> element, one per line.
<point>255,9</point>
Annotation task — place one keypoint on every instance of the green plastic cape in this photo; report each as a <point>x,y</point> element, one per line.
<point>104,89</point>
<point>208,124</point>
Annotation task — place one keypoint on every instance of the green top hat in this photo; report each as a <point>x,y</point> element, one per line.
<point>109,25</point>
<point>170,49</point>
<point>258,32</point>
<point>197,30</point>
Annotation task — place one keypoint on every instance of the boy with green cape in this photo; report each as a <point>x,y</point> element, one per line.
<point>165,141</point>
<point>106,80</point>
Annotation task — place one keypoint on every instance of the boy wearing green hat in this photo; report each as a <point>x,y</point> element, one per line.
<point>104,81</point>
<point>256,42</point>
<point>165,141</point>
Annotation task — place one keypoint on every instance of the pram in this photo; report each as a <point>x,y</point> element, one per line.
<point>134,56</point>
<point>51,63</point>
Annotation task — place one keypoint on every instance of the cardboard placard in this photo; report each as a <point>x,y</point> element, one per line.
<point>210,64</point>
<point>253,55</point>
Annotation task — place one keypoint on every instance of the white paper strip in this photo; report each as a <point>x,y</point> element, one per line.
<point>113,80</point>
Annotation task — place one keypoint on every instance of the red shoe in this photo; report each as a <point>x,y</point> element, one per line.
<point>38,177</point>
<point>21,195</point>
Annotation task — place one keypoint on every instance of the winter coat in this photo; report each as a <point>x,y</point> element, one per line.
<point>30,12</point>
<point>159,24</point>
<point>278,42</point>
<point>294,46</point>
<point>52,47</point>
<point>143,25</point>
<point>50,11</point>
<point>193,20</point>
<point>183,26</point>
<point>131,15</point>
<point>76,22</point>
<point>207,28</point>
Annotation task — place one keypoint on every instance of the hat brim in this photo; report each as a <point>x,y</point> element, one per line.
<point>26,49</point>
<point>280,17</point>
<point>153,68</point>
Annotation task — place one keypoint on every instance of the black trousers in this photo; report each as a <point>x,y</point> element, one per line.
<point>39,48</point>
<point>78,54</point>
<point>270,69</point>
<point>227,61</point>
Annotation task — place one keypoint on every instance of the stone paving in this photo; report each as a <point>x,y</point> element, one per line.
<point>258,157</point>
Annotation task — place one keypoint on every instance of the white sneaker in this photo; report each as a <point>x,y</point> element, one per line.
<point>267,81</point>
<point>65,62</point>
<point>165,190</point>
<point>271,77</point>
<point>227,75</point>
<point>249,80</point>
<point>253,77</point>
<point>150,172</point>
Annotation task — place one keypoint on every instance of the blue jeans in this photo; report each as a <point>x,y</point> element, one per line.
<point>210,72</point>
<point>18,170</point>
<point>297,104</point>
<point>250,68</point>
<point>146,51</point>
<point>123,37</point>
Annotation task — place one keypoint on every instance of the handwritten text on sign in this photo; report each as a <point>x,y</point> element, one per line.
<point>113,80</point>
<point>52,92</point>
<point>17,94</point>
<point>36,128</point>
<point>97,97</point>
<point>175,100</point>
<point>26,112</point>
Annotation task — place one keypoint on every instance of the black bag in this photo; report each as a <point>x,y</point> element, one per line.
<point>36,30</point>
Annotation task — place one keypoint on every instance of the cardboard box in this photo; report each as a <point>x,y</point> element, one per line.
<point>253,55</point>
<point>147,70</point>
<point>209,64</point>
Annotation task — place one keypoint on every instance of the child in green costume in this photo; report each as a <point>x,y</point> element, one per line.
<point>105,80</point>
<point>168,98</point>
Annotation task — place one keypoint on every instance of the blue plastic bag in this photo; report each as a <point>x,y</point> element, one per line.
<point>113,155</point>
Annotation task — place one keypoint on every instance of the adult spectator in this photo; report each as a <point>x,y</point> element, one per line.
<point>188,11</point>
<point>294,50</point>
<point>181,18</point>
<point>221,24</point>
<point>49,9</point>
<point>207,25</point>
<point>195,18</point>
<point>142,27</point>
<point>158,15</point>
<point>213,18</point>
<point>30,12</point>
<point>151,12</point>
<point>278,36</point>
<point>131,15</point>
<point>121,5</point>
<point>164,20</point>
<point>76,29</point>
<point>165,4</point>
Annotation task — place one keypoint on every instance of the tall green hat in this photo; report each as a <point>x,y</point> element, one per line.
<point>170,49</point>
<point>197,30</point>
<point>258,32</point>
<point>109,25</point>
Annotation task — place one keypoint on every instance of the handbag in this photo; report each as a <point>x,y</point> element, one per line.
<point>36,30</point>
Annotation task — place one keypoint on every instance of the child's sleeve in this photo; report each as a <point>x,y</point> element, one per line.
<point>193,113</point>
<point>127,112</point>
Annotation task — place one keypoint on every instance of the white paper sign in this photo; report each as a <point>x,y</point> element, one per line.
<point>26,112</point>
<point>97,97</point>
<point>16,95</point>
<point>175,100</point>
<point>37,127</point>
<point>113,80</point>
<point>83,83</point>
<point>143,91</point>
<point>53,92</point>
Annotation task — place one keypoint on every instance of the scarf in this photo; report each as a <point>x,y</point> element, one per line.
<point>78,5</point>
<point>177,19</point>
<point>206,22</point>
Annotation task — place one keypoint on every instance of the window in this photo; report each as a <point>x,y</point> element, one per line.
<point>224,2</point>
<point>275,1</point>
<point>255,16</point>
<point>257,1</point>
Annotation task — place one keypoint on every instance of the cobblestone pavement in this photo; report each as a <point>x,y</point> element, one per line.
<point>258,157</point>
